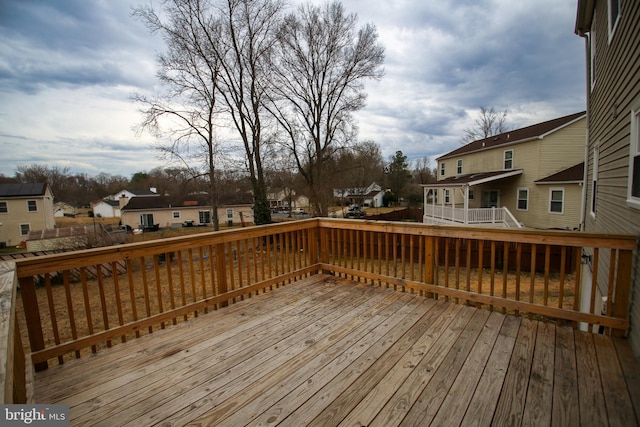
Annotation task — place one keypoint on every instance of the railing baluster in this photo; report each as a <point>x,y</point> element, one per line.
<point>116,288</point>
<point>87,305</point>
<point>132,293</point>
<point>159,296</point>
<point>103,300</point>
<point>145,290</point>
<point>52,313</point>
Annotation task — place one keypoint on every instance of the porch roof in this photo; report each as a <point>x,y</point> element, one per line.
<point>471,179</point>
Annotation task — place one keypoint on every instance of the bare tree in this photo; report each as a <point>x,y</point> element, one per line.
<point>318,82</point>
<point>189,71</point>
<point>490,122</point>
<point>243,45</point>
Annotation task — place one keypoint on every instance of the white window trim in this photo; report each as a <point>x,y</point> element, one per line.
<point>594,180</point>
<point>36,203</point>
<point>175,214</point>
<point>612,28</point>
<point>7,205</point>
<point>518,199</point>
<point>20,227</point>
<point>634,139</point>
<point>459,166</point>
<point>229,214</point>
<point>504,159</point>
<point>442,169</point>
<point>447,196</point>
<point>551,190</point>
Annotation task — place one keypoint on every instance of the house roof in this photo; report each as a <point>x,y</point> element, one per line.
<point>197,200</point>
<point>584,16</point>
<point>472,179</point>
<point>537,131</point>
<point>572,174</point>
<point>23,190</point>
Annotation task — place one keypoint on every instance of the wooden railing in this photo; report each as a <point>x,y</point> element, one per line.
<point>68,312</point>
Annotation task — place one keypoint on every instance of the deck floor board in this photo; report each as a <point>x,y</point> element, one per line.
<point>327,351</point>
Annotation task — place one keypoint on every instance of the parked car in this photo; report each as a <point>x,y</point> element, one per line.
<point>299,211</point>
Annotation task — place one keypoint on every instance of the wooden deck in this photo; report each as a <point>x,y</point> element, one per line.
<point>328,352</point>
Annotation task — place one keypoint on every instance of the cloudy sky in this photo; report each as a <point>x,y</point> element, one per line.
<point>68,69</point>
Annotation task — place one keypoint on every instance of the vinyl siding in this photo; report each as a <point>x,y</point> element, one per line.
<point>616,88</point>
<point>538,158</point>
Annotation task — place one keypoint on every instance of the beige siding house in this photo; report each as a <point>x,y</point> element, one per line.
<point>163,212</point>
<point>506,179</point>
<point>611,30</point>
<point>24,207</point>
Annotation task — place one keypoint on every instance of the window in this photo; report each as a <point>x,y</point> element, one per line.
<point>592,51</point>
<point>32,206</point>
<point>229,213</point>
<point>594,180</point>
<point>508,159</point>
<point>447,196</point>
<point>176,214</point>
<point>633,187</point>
<point>4,208</point>
<point>523,199</point>
<point>146,220</point>
<point>24,229</point>
<point>471,195</point>
<point>556,200</point>
<point>204,217</point>
<point>442,169</point>
<point>459,170</point>
<point>614,16</point>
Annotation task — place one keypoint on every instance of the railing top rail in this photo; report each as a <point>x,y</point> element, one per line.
<point>550,237</point>
<point>54,262</point>
<point>7,314</point>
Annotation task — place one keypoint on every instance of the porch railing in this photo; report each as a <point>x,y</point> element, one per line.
<point>476,216</point>
<point>76,303</point>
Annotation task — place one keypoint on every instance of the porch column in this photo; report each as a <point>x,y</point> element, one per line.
<point>466,204</point>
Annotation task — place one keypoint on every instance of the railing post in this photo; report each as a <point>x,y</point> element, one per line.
<point>429,251</point>
<point>221,272</point>
<point>32,315</point>
<point>622,291</point>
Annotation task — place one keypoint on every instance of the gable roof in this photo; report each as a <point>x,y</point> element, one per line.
<point>537,131</point>
<point>572,174</point>
<point>189,201</point>
<point>472,179</point>
<point>23,190</point>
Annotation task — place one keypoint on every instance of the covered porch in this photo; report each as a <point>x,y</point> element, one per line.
<point>449,201</point>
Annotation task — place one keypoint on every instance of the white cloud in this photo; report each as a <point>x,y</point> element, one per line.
<point>67,70</point>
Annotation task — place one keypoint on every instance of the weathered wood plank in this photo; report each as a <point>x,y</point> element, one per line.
<point>537,410</point>
<point>427,405</point>
<point>206,360</point>
<point>565,384</point>
<point>301,367</point>
<point>316,381</point>
<point>631,372</point>
<point>395,338</point>
<point>484,401</point>
<point>400,403</point>
<point>618,403</point>
<point>514,390</point>
<point>591,399</point>
<point>375,400</point>
<point>236,319</point>
<point>453,408</point>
